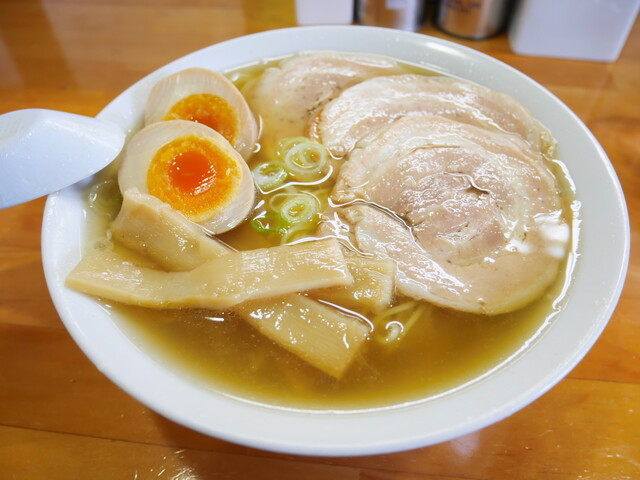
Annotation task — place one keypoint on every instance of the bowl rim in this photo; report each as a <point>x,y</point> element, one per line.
<point>346,433</point>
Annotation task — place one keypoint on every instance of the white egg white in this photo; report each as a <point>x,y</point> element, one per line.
<point>170,90</point>
<point>144,145</point>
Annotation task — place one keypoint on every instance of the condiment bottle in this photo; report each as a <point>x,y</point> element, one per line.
<point>401,14</point>
<point>472,19</point>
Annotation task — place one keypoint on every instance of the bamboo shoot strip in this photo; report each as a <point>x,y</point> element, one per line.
<point>325,337</point>
<point>217,284</point>
<point>152,228</point>
<point>372,288</point>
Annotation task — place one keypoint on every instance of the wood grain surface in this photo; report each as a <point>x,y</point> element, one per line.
<point>60,418</point>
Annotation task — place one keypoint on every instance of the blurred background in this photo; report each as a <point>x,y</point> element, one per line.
<point>59,45</point>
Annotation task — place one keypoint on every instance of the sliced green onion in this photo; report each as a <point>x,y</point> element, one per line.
<point>285,144</point>
<point>306,160</point>
<point>267,222</point>
<point>298,231</point>
<point>275,200</point>
<point>269,176</point>
<point>299,208</point>
<point>105,198</point>
<point>303,158</point>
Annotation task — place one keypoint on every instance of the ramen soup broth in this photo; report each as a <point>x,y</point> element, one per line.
<point>420,352</point>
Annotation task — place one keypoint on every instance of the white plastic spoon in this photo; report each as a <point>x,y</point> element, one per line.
<point>43,151</point>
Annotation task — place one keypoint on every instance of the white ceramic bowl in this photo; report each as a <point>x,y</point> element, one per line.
<point>591,298</point>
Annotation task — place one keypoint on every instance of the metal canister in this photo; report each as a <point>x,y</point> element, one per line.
<point>401,14</point>
<point>472,19</point>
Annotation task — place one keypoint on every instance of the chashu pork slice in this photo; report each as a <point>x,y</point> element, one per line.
<point>286,95</point>
<point>361,109</point>
<point>472,218</point>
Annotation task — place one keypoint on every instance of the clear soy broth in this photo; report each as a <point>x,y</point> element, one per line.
<point>441,351</point>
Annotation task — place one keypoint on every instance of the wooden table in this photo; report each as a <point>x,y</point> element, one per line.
<point>60,418</point>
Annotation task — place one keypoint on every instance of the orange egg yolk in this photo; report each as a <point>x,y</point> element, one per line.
<point>194,176</point>
<point>210,110</point>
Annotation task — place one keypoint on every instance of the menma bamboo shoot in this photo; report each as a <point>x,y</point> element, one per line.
<point>323,336</point>
<point>372,288</point>
<point>217,284</point>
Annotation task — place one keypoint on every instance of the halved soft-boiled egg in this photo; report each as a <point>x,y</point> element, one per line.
<point>207,97</point>
<point>194,169</point>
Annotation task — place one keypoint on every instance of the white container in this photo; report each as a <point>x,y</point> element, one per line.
<point>580,29</point>
<point>324,12</point>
